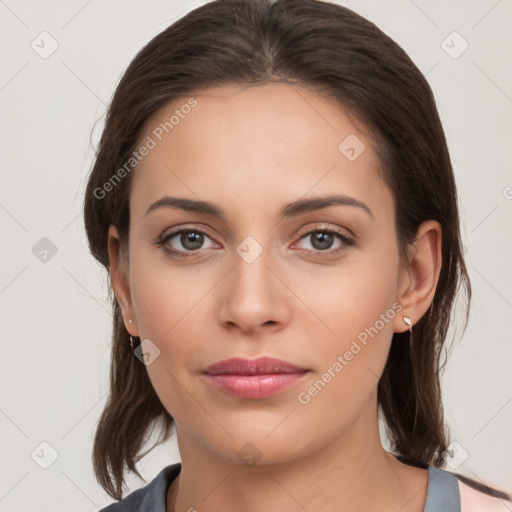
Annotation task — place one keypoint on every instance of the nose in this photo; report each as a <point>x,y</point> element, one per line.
<point>255,295</point>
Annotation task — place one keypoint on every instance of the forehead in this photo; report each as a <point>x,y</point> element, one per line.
<point>245,147</point>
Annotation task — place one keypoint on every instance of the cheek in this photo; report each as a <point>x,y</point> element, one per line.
<point>167,307</point>
<point>170,307</point>
<point>166,294</point>
<point>344,385</point>
<point>350,297</point>
<point>350,366</point>
<point>357,306</point>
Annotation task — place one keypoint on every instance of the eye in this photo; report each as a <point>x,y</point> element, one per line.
<point>183,242</point>
<point>322,239</point>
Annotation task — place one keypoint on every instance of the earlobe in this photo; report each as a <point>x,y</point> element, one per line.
<point>419,280</point>
<point>119,279</point>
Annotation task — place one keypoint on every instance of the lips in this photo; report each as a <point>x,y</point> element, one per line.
<point>261,366</point>
<point>254,379</point>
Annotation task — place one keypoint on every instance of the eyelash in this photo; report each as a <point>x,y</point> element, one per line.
<point>346,240</point>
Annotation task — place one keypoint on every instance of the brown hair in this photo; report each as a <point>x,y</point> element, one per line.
<point>334,52</point>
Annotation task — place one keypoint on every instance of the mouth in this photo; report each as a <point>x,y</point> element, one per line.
<point>254,379</point>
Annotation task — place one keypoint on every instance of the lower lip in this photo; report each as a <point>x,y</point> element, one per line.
<point>254,386</point>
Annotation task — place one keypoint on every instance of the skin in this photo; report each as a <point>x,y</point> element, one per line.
<point>251,151</point>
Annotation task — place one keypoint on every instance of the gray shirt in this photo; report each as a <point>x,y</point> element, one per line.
<point>442,493</point>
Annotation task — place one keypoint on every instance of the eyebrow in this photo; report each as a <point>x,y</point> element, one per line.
<point>290,210</point>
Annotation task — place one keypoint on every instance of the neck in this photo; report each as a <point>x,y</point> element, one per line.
<point>352,472</point>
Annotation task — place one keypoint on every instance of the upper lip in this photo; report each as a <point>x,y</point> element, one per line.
<point>260,366</point>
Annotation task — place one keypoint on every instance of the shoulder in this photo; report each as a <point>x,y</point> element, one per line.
<point>151,497</point>
<point>472,500</point>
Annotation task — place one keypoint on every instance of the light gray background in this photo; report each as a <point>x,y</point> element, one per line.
<point>55,317</point>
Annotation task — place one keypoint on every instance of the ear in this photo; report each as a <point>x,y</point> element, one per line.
<point>119,279</point>
<point>419,275</point>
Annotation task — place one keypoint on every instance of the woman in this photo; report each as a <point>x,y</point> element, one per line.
<point>274,202</point>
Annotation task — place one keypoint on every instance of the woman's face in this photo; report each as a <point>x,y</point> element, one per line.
<point>316,287</point>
